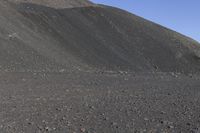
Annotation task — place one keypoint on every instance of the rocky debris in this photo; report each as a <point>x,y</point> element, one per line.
<point>83,130</point>
<point>129,106</point>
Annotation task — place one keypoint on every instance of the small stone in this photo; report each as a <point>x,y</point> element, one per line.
<point>188,124</point>
<point>114,123</point>
<point>68,123</point>
<point>91,107</point>
<point>58,109</point>
<point>45,122</point>
<point>106,118</point>
<point>146,119</point>
<point>38,99</point>
<point>62,70</point>
<point>23,79</point>
<point>83,130</point>
<point>163,112</point>
<point>47,129</point>
<point>30,123</point>
<point>40,127</point>
<point>63,118</point>
<point>171,127</point>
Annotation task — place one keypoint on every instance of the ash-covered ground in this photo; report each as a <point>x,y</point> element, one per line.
<point>99,103</point>
<point>71,66</point>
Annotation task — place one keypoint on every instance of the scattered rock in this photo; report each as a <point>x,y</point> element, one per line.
<point>174,75</point>
<point>188,124</point>
<point>163,112</point>
<point>30,123</point>
<point>83,130</point>
<point>106,118</point>
<point>114,124</point>
<point>62,70</point>
<point>170,126</point>
<point>23,79</point>
<point>91,107</point>
<point>47,129</point>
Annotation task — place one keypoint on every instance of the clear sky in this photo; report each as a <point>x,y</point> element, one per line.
<point>180,15</point>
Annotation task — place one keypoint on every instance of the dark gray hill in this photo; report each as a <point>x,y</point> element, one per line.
<point>38,38</point>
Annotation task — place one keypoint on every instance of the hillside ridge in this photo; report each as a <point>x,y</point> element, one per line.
<point>56,3</point>
<point>40,38</point>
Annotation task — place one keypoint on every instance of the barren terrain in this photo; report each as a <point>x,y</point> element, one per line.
<point>74,66</point>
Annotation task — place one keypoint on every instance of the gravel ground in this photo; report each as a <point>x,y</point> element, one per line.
<point>99,103</point>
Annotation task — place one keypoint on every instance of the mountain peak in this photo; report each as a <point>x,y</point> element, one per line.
<point>57,3</point>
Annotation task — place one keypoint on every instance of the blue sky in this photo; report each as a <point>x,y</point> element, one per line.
<point>180,15</point>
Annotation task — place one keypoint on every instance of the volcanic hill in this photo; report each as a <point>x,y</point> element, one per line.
<point>48,35</point>
<point>72,66</point>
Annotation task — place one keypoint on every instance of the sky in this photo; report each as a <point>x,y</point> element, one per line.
<point>182,16</point>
